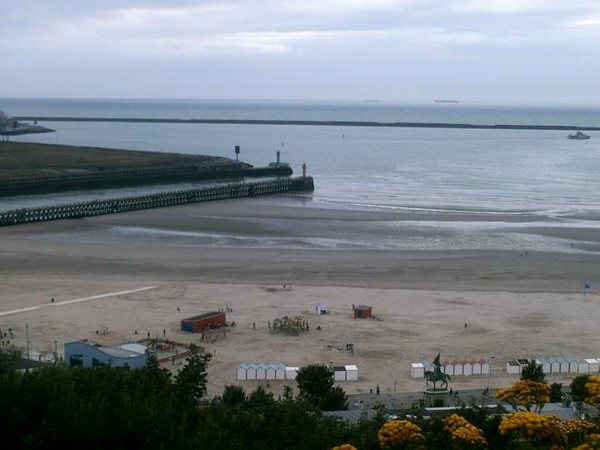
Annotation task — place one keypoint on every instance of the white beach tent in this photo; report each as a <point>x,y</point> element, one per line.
<point>318,308</point>
<point>339,373</point>
<point>291,372</point>
<point>417,370</point>
<point>351,372</point>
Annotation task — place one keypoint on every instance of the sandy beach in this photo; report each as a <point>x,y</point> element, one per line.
<point>516,305</point>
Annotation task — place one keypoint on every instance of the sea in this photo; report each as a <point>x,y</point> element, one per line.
<point>494,185</point>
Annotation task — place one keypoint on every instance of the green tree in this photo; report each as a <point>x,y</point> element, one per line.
<point>533,372</point>
<point>578,390</point>
<point>233,395</point>
<point>191,380</point>
<point>315,381</point>
<point>556,392</point>
<point>335,400</point>
<point>260,397</point>
<point>288,392</point>
<point>8,359</point>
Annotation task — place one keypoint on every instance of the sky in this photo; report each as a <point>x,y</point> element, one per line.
<point>490,51</point>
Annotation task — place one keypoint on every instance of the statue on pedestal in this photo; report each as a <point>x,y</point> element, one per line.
<point>437,374</point>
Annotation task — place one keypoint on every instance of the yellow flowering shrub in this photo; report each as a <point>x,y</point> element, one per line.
<point>578,426</point>
<point>533,426</point>
<point>526,393</point>
<point>463,432</point>
<point>399,432</point>
<point>344,447</point>
<point>592,442</point>
<point>593,387</point>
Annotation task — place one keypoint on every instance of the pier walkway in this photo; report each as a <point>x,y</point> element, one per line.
<point>137,177</point>
<point>158,200</point>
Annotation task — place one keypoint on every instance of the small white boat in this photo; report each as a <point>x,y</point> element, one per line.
<point>579,136</point>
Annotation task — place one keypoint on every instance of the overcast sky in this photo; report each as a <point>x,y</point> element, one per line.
<point>496,51</point>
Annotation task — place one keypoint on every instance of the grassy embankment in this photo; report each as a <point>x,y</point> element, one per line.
<point>30,160</point>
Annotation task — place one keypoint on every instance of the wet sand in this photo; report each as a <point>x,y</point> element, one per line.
<point>515,305</point>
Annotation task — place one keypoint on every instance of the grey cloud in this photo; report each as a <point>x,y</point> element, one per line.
<point>430,44</point>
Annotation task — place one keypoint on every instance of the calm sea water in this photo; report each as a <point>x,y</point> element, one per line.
<point>485,173</point>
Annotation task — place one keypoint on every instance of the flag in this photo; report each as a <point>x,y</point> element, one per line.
<point>587,286</point>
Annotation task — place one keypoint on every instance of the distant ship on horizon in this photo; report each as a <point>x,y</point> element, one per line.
<point>446,101</point>
<point>579,136</point>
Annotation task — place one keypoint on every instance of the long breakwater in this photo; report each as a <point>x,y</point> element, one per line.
<point>331,123</point>
<point>159,200</point>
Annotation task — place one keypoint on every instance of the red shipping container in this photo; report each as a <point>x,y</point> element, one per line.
<point>362,312</point>
<point>196,324</point>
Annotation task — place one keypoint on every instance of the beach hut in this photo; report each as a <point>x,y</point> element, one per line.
<point>242,374</point>
<point>513,367</point>
<point>555,365</point>
<point>261,372</point>
<point>593,364</point>
<point>522,363</point>
<point>485,367</point>
<point>291,372</point>
<point>477,366</point>
<point>573,365</point>
<point>417,370</point>
<point>458,367</point>
<point>270,372</point>
<point>545,363</point>
<point>318,308</point>
<point>564,365</point>
<point>363,312</point>
<point>339,373</point>
<point>279,372</point>
<point>448,367</point>
<point>195,324</point>
<point>467,368</point>
<point>583,366</point>
<point>351,372</point>
<point>251,372</point>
